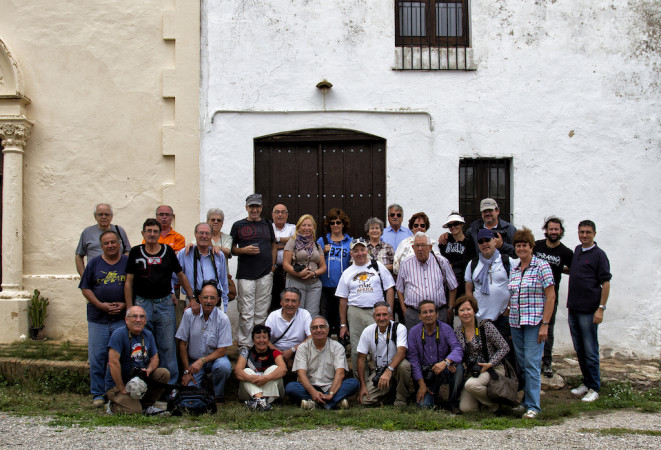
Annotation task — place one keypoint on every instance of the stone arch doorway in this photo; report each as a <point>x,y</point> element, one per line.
<point>314,170</point>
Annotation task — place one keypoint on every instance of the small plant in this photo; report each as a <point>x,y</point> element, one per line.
<point>37,310</point>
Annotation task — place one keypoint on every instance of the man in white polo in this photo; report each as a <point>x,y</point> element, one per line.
<point>290,325</point>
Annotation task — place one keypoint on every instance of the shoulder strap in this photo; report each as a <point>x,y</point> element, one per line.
<point>506,263</point>
<point>474,262</point>
<point>287,329</point>
<point>393,335</point>
<point>121,238</point>
<point>375,266</point>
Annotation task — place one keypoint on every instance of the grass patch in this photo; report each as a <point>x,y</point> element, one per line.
<point>620,431</point>
<point>62,401</point>
<point>54,351</point>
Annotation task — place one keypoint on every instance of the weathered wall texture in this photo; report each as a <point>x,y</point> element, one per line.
<point>102,77</point>
<point>569,90</point>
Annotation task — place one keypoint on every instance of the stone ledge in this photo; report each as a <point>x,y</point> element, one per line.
<point>18,368</point>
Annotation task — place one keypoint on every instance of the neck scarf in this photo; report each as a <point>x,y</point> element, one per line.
<point>483,276</point>
<point>305,243</point>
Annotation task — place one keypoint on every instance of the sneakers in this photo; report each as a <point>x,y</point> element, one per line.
<point>530,414</point>
<point>109,410</point>
<point>591,396</point>
<point>308,404</point>
<point>546,370</point>
<point>344,404</point>
<point>579,391</point>
<point>262,404</point>
<point>251,404</point>
<point>154,411</point>
<point>98,402</point>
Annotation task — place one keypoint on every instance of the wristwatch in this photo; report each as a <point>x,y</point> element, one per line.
<point>603,307</point>
<point>391,369</point>
<point>545,323</point>
<point>186,372</point>
<point>342,325</point>
<point>293,349</point>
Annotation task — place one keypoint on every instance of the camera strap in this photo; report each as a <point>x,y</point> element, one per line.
<point>287,329</point>
<point>142,344</point>
<point>376,342</point>
<point>197,258</point>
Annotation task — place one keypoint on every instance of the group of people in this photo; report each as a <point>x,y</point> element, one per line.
<point>295,289</point>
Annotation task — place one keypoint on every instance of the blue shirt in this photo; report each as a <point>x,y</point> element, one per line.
<point>205,271</point>
<point>106,281</point>
<point>393,237</point>
<point>134,353</point>
<point>337,260</point>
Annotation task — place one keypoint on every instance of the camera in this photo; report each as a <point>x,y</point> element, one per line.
<point>379,371</point>
<point>474,367</point>
<point>428,374</point>
<point>298,267</point>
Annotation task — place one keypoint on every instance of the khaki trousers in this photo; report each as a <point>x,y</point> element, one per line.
<point>124,403</point>
<point>403,386</point>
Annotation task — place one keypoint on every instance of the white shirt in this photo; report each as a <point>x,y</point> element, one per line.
<point>382,354</point>
<point>361,285</point>
<point>287,231</point>
<point>298,332</point>
<point>493,305</point>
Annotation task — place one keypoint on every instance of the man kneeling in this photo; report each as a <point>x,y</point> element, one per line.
<point>386,342</point>
<point>132,348</point>
<point>321,364</point>
<point>260,370</point>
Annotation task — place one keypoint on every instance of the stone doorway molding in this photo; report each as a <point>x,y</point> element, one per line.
<point>15,129</point>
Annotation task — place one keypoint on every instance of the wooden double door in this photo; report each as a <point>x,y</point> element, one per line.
<point>312,171</point>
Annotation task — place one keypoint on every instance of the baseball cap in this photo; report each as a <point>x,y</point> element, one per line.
<point>488,203</point>
<point>254,199</point>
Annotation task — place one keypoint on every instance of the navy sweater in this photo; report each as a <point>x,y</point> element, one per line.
<point>589,270</point>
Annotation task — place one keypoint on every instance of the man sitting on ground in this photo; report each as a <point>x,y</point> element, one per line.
<point>290,325</point>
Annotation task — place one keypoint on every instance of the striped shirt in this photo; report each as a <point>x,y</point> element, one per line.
<point>425,281</point>
<point>527,289</point>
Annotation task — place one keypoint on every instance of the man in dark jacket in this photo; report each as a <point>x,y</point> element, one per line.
<point>589,286</point>
<point>503,231</point>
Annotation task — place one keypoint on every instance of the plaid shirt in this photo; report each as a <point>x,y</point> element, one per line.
<point>527,289</point>
<point>382,252</point>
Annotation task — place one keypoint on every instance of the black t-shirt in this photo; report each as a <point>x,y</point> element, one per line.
<point>459,254</point>
<point>244,233</point>
<point>152,273</point>
<point>557,257</point>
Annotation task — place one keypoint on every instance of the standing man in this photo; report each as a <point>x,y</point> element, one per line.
<point>290,325</point>
<point>133,347</point>
<point>423,278</point>
<point>503,231</point>
<point>201,264</point>
<point>165,215</point>
<point>559,258</point>
<point>148,275</point>
<point>386,342</point>
<point>283,231</point>
<point>102,285</point>
<point>395,232</point>
<point>435,355</point>
<point>88,245</point>
<point>321,364</point>
<point>254,243</point>
<point>203,341</point>
<point>360,287</point>
<point>589,286</point>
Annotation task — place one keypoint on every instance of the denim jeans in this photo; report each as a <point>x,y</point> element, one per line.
<point>454,382</point>
<point>161,321</point>
<point>220,370</point>
<point>98,335</point>
<point>548,345</point>
<point>584,336</point>
<point>529,355</point>
<point>349,387</point>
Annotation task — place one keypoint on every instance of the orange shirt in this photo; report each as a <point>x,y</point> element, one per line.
<point>173,239</point>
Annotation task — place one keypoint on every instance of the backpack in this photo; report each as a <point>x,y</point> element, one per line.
<point>194,401</point>
<point>503,257</point>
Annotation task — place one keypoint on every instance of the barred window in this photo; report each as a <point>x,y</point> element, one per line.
<point>431,23</point>
<point>482,178</point>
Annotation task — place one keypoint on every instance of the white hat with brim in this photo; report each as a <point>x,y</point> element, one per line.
<point>452,218</point>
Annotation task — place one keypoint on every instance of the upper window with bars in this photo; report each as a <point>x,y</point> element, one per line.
<point>432,34</point>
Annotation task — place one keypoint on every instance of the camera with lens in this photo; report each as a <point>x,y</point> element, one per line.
<point>475,368</point>
<point>377,376</point>
<point>428,373</point>
<point>298,267</point>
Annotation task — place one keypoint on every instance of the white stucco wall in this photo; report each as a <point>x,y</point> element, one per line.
<point>568,90</point>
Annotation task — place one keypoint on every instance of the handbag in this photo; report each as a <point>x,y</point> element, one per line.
<point>231,287</point>
<point>501,389</point>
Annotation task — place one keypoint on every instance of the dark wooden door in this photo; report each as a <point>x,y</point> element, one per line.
<point>312,171</point>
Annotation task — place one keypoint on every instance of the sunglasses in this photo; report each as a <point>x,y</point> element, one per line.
<point>336,222</point>
<point>216,220</point>
<point>419,225</point>
<point>482,241</point>
<point>455,224</point>
<point>395,214</point>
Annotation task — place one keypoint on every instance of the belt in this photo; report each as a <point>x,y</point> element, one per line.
<point>362,307</point>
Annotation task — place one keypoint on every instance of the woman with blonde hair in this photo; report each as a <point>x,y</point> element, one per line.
<point>303,260</point>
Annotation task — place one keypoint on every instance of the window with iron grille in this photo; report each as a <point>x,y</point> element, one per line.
<point>432,34</point>
<point>484,178</point>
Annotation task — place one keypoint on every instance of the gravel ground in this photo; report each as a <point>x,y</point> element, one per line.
<point>33,432</point>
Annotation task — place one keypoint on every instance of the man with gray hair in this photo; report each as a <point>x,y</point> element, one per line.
<point>386,342</point>
<point>88,244</point>
<point>165,216</point>
<point>283,232</point>
<point>423,278</point>
<point>395,233</point>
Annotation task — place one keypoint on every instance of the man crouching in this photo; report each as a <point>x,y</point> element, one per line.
<point>130,348</point>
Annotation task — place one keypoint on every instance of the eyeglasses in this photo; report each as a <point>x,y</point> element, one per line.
<point>216,220</point>
<point>482,241</point>
<point>280,211</point>
<point>103,214</point>
<point>137,316</point>
<point>455,224</point>
<point>336,222</point>
<point>318,327</point>
<point>209,297</point>
<point>395,214</point>
<point>420,245</point>
<point>164,215</point>
<point>419,225</point>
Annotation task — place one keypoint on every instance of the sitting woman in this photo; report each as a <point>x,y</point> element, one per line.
<point>468,334</point>
<point>260,371</point>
